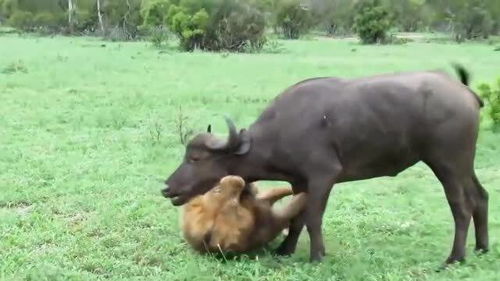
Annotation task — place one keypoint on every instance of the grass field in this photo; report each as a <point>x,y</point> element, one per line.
<point>88,130</point>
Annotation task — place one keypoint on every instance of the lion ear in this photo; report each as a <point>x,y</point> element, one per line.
<point>232,181</point>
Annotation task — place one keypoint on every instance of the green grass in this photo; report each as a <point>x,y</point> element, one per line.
<point>88,131</point>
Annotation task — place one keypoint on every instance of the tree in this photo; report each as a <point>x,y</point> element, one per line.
<point>99,15</point>
<point>154,12</point>
<point>122,18</point>
<point>372,22</point>
<point>467,19</point>
<point>334,16</point>
<point>71,13</point>
<point>293,18</point>
<point>473,21</point>
<point>409,15</point>
<point>232,25</point>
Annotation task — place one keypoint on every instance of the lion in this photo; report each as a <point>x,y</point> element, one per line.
<point>234,217</point>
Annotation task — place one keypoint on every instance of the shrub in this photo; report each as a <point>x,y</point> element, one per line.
<point>237,26</point>
<point>215,25</point>
<point>86,20</point>
<point>273,47</point>
<point>293,19</point>
<point>3,15</point>
<point>45,19</point>
<point>492,97</point>
<point>22,20</point>
<point>48,22</point>
<point>8,7</point>
<point>335,17</point>
<point>158,36</point>
<point>190,26</point>
<point>154,13</point>
<point>124,18</point>
<point>372,22</point>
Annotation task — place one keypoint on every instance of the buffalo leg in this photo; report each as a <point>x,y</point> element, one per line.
<point>457,186</point>
<point>289,244</point>
<point>287,247</point>
<point>480,216</point>
<point>319,190</point>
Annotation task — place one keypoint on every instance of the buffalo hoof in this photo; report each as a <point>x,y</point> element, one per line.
<point>455,260</point>
<point>317,257</point>
<point>449,263</point>
<point>481,251</point>
<point>284,249</point>
<point>446,266</point>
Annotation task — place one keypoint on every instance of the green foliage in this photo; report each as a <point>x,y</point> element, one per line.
<point>22,20</point>
<point>88,134</point>
<point>8,7</point>
<point>372,22</point>
<point>158,36</point>
<point>2,13</point>
<point>273,47</point>
<point>491,94</point>
<point>473,21</point>
<point>86,20</point>
<point>409,15</point>
<point>47,21</point>
<point>221,24</point>
<point>232,25</point>
<point>123,18</point>
<point>467,19</point>
<point>191,28</point>
<point>292,18</point>
<point>154,12</point>
<point>334,16</point>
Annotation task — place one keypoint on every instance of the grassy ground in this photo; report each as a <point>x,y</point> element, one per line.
<point>88,129</point>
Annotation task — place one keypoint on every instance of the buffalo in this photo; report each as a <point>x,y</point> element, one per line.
<point>328,130</point>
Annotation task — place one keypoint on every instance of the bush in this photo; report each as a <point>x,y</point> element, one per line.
<point>232,25</point>
<point>273,47</point>
<point>158,36</point>
<point>293,19</point>
<point>334,17</point>
<point>48,22</point>
<point>372,22</point>
<point>124,17</point>
<point>237,26</point>
<point>154,13</point>
<point>86,20</point>
<point>8,7</point>
<point>22,20</point>
<point>492,97</point>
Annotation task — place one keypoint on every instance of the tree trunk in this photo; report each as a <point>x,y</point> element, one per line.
<point>70,15</point>
<point>99,16</point>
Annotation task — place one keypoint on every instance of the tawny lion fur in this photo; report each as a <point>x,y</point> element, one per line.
<point>235,217</point>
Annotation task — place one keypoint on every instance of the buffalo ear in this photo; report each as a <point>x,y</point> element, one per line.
<point>245,143</point>
<point>209,129</point>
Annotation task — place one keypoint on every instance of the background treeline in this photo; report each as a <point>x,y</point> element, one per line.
<point>239,25</point>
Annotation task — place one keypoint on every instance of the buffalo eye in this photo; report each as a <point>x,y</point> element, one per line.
<point>194,158</point>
